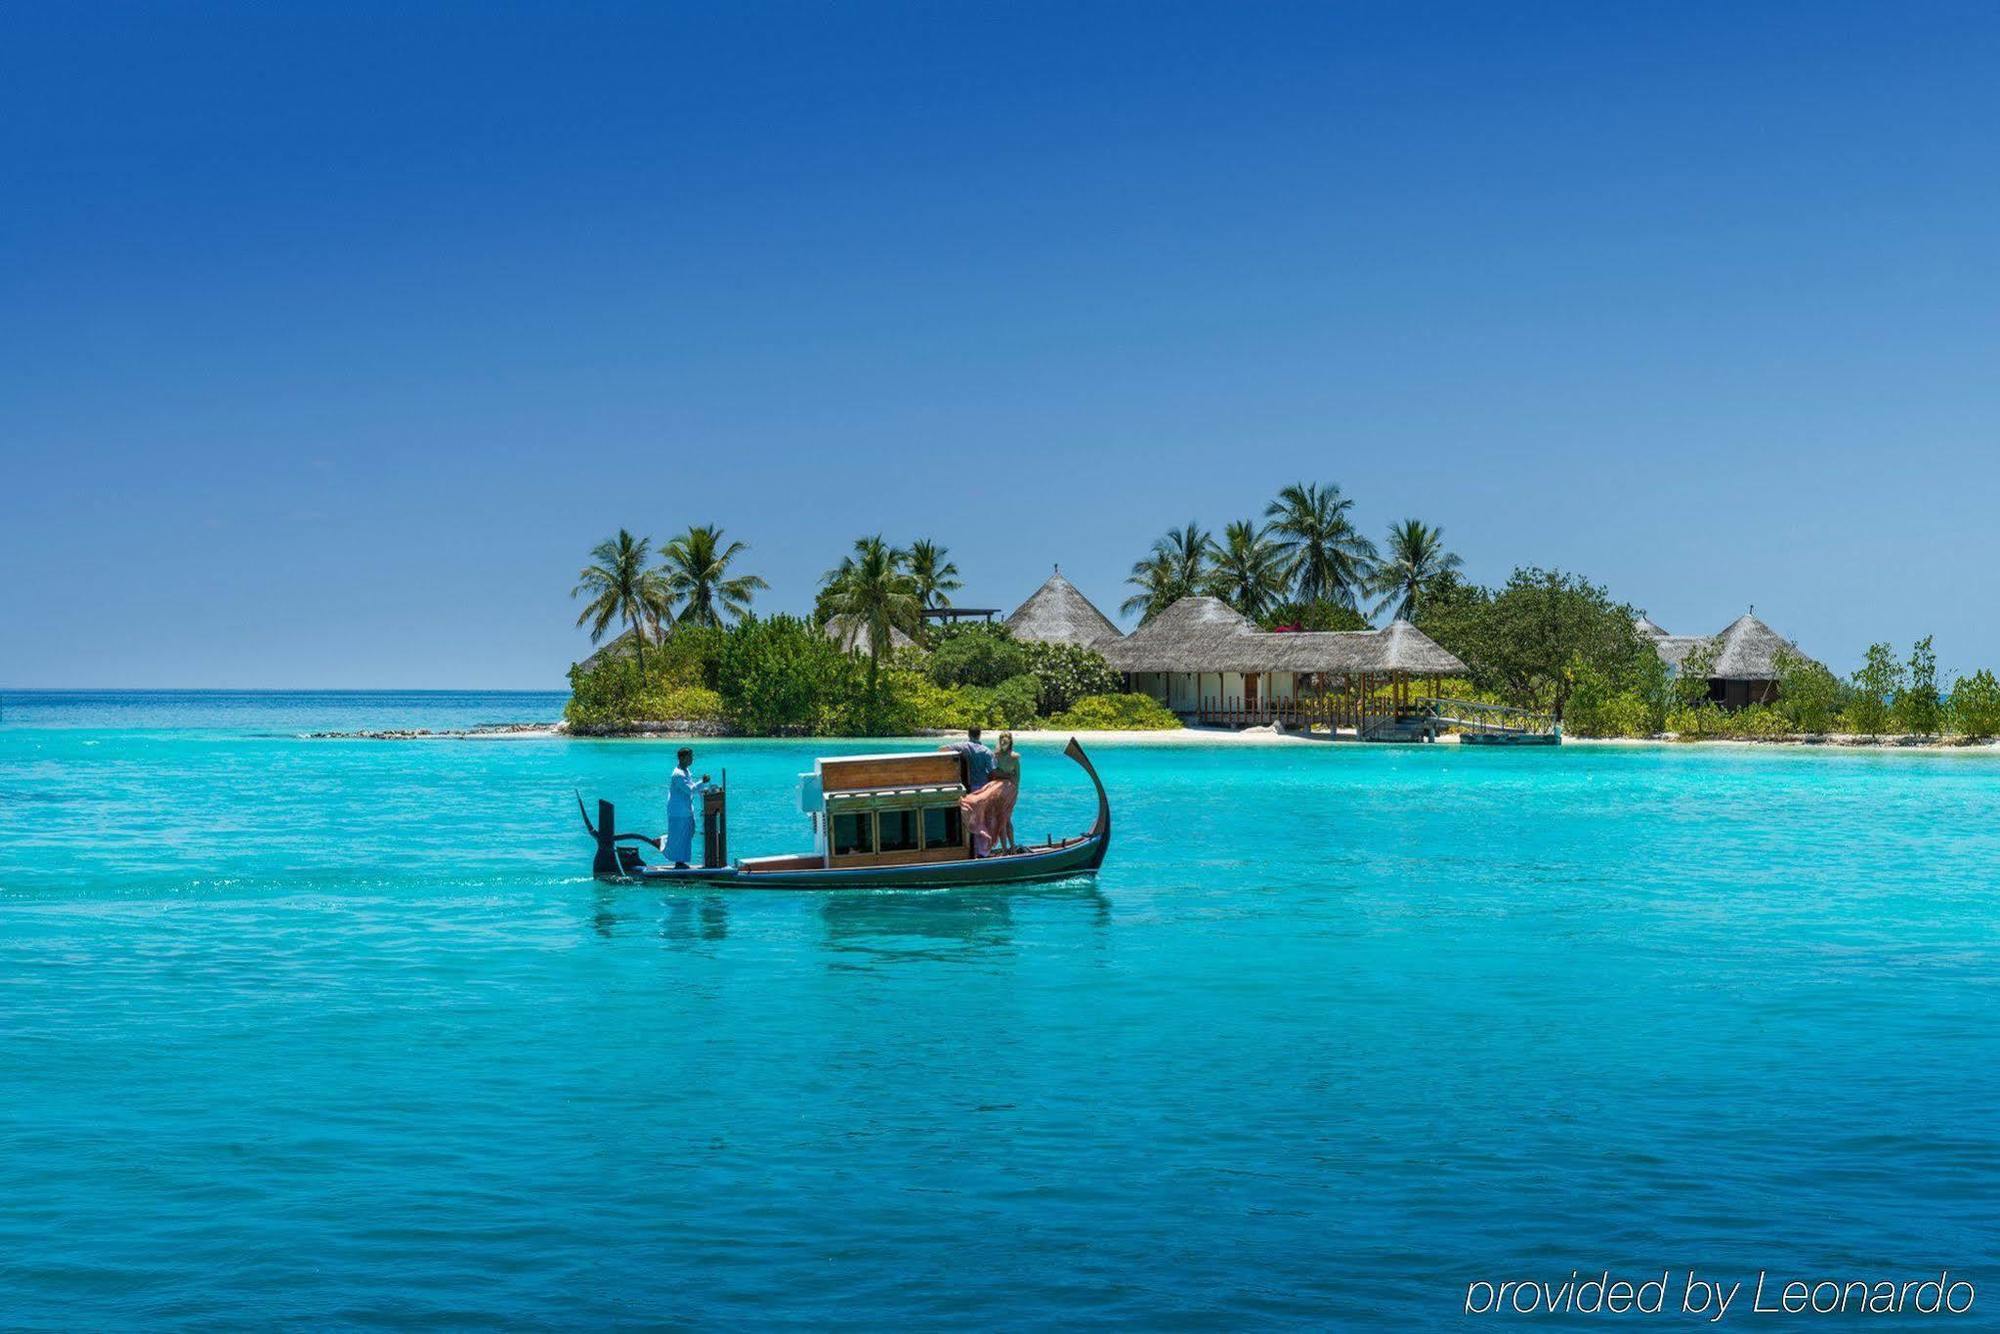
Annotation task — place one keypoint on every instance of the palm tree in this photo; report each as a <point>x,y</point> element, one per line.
<point>1416,558</point>
<point>1247,569</point>
<point>622,588</point>
<point>1175,568</point>
<point>696,568</point>
<point>937,578</point>
<point>874,586</point>
<point>1154,578</point>
<point>1330,560</point>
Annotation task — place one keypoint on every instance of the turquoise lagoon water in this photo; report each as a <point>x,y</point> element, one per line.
<point>328,1031</point>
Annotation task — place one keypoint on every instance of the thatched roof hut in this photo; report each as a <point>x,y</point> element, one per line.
<point>621,647</point>
<point>852,634</point>
<point>1203,634</point>
<point>1748,651</point>
<point>1058,613</point>
<point>1189,636</point>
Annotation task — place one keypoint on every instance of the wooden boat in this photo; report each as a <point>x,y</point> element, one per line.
<point>879,822</point>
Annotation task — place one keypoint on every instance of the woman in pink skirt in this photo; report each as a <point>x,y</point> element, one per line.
<point>989,812</point>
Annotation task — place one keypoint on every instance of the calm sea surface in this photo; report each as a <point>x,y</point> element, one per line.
<point>342,1031</point>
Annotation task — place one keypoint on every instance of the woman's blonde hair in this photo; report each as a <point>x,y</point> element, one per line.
<point>1006,741</point>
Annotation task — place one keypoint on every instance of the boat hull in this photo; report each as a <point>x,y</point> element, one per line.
<point>1079,858</point>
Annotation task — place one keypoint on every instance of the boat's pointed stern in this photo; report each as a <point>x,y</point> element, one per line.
<point>1100,831</point>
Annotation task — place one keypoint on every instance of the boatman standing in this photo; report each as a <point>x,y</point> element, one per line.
<point>679,842</point>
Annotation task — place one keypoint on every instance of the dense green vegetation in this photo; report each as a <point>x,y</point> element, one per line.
<point>782,676</point>
<point>1547,640</point>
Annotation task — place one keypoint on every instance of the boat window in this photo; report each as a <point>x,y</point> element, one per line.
<point>942,828</point>
<point>898,830</point>
<point>853,831</point>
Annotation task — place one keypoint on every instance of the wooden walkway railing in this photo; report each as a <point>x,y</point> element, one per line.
<point>1330,711</point>
<point>1312,711</point>
<point>1374,716</point>
<point>1470,716</point>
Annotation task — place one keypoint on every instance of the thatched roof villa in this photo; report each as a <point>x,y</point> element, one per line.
<point>1058,613</point>
<point>1203,659</point>
<point>851,634</point>
<point>1745,669</point>
<point>620,647</point>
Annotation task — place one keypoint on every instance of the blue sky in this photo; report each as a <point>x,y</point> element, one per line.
<point>331,339</point>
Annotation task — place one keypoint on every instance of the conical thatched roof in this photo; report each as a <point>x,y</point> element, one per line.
<point>852,635</point>
<point>621,647</point>
<point>1057,613</point>
<point>1646,626</point>
<point>1749,651</point>
<point>1745,651</point>
<point>1207,635</point>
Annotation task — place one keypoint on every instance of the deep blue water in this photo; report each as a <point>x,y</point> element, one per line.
<point>328,1031</point>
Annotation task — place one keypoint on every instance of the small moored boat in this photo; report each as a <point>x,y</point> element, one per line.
<point>879,822</point>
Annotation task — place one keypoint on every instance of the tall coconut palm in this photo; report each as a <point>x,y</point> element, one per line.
<point>696,568</point>
<point>1154,578</point>
<point>1247,569</point>
<point>1175,568</point>
<point>1416,558</point>
<point>1329,559</point>
<point>874,587</point>
<point>620,587</point>
<point>936,576</point>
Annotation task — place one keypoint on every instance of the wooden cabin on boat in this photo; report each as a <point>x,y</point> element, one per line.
<point>1744,667</point>
<point>1207,662</point>
<point>886,810</point>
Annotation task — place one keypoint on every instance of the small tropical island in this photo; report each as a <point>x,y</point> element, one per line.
<point>1290,622</point>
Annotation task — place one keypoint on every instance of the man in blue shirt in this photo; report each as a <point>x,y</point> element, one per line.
<point>679,842</point>
<point>978,759</point>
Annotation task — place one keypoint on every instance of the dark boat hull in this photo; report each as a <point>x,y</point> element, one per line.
<point>1078,858</point>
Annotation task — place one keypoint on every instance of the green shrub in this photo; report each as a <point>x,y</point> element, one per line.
<point>1707,722</point>
<point>782,676</point>
<point>1115,713</point>
<point>614,694</point>
<point>690,652</point>
<point>1879,681</point>
<point>1626,714</point>
<point>1918,707</point>
<point>1758,722</point>
<point>1975,705</point>
<point>916,703</point>
<point>931,706</point>
<point>1009,704</point>
<point>1066,673</point>
<point>1808,693</point>
<point>1698,722</point>
<point>1598,706</point>
<point>976,655</point>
